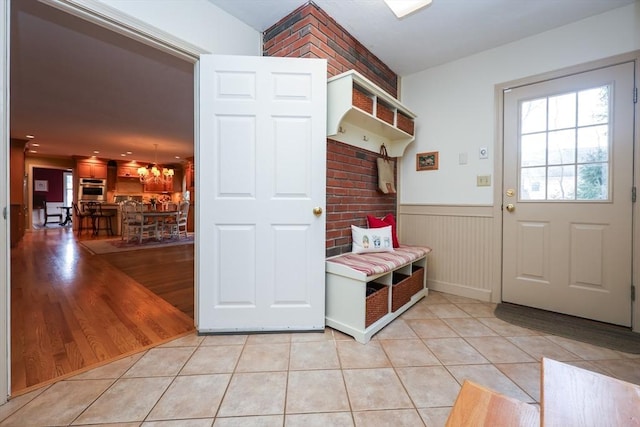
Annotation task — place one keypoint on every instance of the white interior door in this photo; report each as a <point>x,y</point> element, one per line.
<point>261,173</point>
<point>567,200</point>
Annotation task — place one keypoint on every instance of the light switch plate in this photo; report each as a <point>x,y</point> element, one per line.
<point>483,181</point>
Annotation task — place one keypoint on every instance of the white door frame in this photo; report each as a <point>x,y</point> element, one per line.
<point>5,251</point>
<point>498,171</point>
<point>114,20</point>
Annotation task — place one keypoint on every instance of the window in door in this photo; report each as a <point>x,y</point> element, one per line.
<point>564,146</point>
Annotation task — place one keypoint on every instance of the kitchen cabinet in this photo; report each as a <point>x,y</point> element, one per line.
<point>91,169</point>
<point>127,171</point>
<point>361,114</point>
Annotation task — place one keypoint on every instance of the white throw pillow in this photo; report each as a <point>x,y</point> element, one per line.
<point>371,239</point>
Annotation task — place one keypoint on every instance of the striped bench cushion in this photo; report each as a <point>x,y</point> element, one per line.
<point>381,262</point>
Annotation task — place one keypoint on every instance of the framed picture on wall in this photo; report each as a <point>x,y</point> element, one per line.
<point>427,161</point>
<point>41,185</point>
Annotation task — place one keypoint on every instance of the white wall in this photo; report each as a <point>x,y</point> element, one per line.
<point>198,22</point>
<point>455,102</point>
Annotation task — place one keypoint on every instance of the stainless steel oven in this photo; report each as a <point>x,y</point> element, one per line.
<point>92,190</point>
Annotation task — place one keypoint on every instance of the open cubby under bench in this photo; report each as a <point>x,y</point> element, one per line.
<point>366,291</point>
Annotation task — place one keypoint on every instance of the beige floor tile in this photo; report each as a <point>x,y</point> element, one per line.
<point>454,351</point>
<point>584,350</point>
<point>191,340</point>
<point>396,330</point>
<point>478,310</point>
<point>435,297</point>
<point>431,328</point>
<point>429,387</point>
<point>341,336</point>
<point>499,350</point>
<point>59,404</point>
<point>408,353</point>
<point>314,355</point>
<point>489,376</point>
<point>316,391</point>
<point>324,335</point>
<point>506,329</point>
<point>213,360</point>
<point>159,362</point>
<point>525,375</point>
<point>268,338</point>
<point>261,393</point>
<point>371,389</point>
<point>355,355</point>
<point>467,327</point>
<point>112,370</point>
<point>333,419</point>
<point>456,299</point>
<point>445,311</point>
<point>204,422</point>
<point>434,417</point>
<point>192,396</point>
<point>128,400</point>
<point>224,340</point>
<point>264,357</point>
<point>17,402</point>
<point>624,369</point>
<point>396,417</point>
<point>418,311</point>
<point>259,421</point>
<point>538,347</point>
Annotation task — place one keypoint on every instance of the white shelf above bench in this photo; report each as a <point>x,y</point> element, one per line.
<point>380,120</point>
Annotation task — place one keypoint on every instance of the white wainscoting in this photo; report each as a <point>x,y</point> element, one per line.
<point>466,247</point>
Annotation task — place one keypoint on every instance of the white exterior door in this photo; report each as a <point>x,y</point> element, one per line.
<point>260,172</point>
<point>567,199</point>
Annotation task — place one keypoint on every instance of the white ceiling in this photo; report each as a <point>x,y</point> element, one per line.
<point>79,88</point>
<point>444,31</point>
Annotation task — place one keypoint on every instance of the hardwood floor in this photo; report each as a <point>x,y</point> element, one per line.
<point>72,310</point>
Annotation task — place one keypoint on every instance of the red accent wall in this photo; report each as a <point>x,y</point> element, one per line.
<point>352,182</point>
<point>55,181</point>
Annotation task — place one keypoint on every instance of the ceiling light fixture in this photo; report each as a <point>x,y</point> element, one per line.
<point>152,174</point>
<point>402,8</point>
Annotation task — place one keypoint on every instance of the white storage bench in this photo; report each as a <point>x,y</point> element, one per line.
<point>395,281</point>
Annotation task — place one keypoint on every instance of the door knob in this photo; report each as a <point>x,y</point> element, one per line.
<point>511,207</point>
<point>317,211</point>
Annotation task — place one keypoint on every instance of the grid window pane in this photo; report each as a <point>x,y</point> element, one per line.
<point>562,147</point>
<point>561,183</point>
<point>533,183</point>
<point>533,149</point>
<point>593,106</point>
<point>534,116</point>
<point>562,111</point>
<point>593,181</point>
<point>593,144</point>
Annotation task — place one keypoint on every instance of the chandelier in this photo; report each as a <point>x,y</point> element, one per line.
<point>152,174</point>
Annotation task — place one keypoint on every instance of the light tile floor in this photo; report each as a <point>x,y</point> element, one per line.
<point>408,375</point>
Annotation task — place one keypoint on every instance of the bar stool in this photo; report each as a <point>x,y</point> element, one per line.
<point>106,223</point>
<point>82,216</point>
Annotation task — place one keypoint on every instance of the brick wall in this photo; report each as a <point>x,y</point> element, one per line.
<point>352,182</point>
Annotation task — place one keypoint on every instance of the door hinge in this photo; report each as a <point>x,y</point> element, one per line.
<point>633,293</point>
<point>4,212</point>
<point>635,95</point>
<point>633,194</point>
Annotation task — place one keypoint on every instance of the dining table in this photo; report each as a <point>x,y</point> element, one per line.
<point>67,215</point>
<point>159,215</point>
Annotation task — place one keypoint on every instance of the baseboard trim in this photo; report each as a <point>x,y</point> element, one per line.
<point>459,290</point>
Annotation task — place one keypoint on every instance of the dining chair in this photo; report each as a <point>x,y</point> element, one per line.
<point>48,214</point>
<point>135,226</point>
<point>176,225</point>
